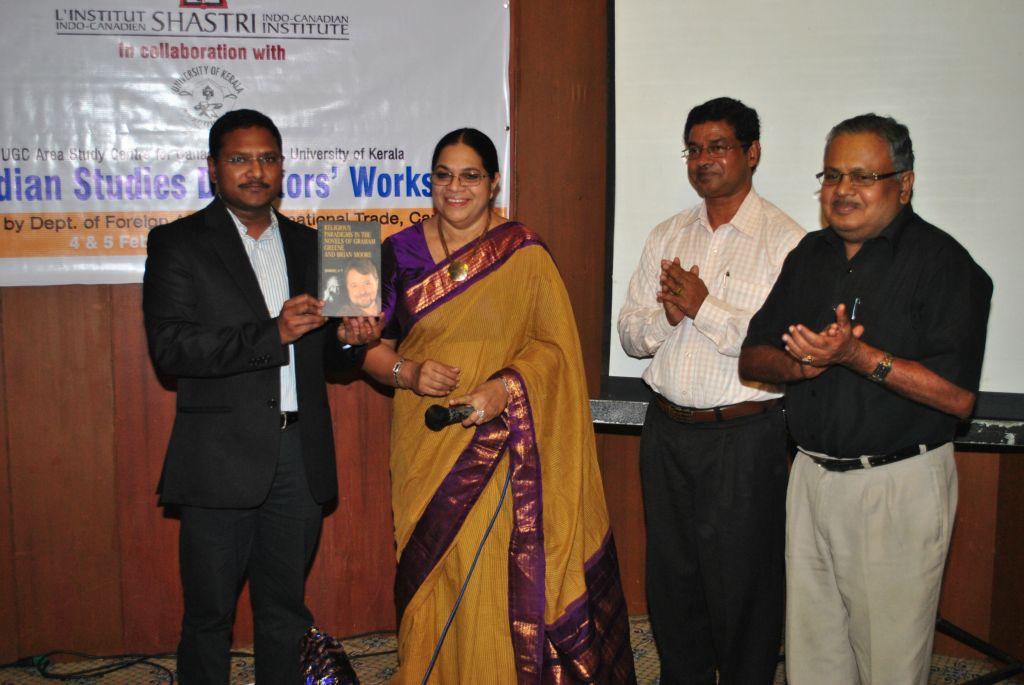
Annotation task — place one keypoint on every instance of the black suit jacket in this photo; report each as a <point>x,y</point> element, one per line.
<point>208,326</point>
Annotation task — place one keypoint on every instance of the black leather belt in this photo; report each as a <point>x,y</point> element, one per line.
<point>854,463</point>
<point>732,411</point>
<point>288,418</point>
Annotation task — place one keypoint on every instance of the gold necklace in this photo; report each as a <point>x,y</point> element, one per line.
<point>458,269</point>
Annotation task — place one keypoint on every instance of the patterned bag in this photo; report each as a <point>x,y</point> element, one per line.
<point>324,661</point>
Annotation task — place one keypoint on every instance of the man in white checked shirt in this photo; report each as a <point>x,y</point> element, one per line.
<point>713,453</point>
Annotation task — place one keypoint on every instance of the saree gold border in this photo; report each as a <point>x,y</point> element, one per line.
<point>518,409</point>
<point>527,567</point>
<point>497,246</point>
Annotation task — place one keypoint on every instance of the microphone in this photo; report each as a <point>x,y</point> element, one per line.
<point>438,416</point>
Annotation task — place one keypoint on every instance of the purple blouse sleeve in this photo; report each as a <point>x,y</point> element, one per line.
<point>405,260</point>
<point>389,290</point>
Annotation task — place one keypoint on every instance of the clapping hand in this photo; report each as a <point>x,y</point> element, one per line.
<point>682,292</point>
<point>837,343</point>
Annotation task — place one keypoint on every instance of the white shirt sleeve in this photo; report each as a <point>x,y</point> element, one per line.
<point>724,324</point>
<point>642,323</point>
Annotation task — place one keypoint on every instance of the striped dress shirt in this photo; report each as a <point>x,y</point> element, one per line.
<point>266,254</point>
<point>696,362</point>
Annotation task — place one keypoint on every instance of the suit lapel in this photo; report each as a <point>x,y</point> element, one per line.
<point>228,244</point>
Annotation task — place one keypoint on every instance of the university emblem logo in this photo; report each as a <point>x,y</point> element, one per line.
<point>207,92</point>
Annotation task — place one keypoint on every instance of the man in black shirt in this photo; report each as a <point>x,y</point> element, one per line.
<point>877,326</point>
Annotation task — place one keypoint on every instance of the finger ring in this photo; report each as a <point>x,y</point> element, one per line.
<point>676,291</point>
<point>808,359</point>
<point>480,413</point>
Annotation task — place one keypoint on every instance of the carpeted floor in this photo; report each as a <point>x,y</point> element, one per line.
<point>374,659</point>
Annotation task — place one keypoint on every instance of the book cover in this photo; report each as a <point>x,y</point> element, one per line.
<point>349,267</point>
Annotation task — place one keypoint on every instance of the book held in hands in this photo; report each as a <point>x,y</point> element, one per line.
<point>349,267</point>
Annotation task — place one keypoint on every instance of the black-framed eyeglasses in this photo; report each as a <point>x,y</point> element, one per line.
<point>831,177</point>
<point>715,150</point>
<point>267,159</point>
<point>469,177</point>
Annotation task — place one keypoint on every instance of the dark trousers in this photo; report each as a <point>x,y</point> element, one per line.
<point>272,545</point>
<point>715,502</point>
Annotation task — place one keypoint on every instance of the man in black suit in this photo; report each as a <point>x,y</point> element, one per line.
<point>251,455</point>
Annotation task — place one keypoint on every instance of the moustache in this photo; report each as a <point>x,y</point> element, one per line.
<point>840,204</point>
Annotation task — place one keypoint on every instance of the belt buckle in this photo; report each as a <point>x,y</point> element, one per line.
<point>685,413</point>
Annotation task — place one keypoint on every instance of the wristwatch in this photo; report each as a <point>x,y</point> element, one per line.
<point>883,368</point>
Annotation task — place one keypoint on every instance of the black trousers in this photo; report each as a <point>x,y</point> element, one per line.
<point>272,545</point>
<point>715,502</point>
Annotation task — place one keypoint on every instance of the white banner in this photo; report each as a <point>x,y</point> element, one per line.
<point>107,107</point>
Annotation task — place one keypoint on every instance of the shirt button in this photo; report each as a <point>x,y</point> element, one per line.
<point>271,403</point>
<point>689,354</point>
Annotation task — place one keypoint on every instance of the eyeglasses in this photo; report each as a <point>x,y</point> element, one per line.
<point>469,177</point>
<point>857,178</point>
<point>715,150</point>
<point>267,159</point>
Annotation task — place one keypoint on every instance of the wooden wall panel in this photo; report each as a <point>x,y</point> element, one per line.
<point>967,586</point>
<point>1008,576</point>
<point>618,454</point>
<point>350,588</point>
<point>149,536</point>
<point>560,107</point>
<point>59,388</point>
<point>8,590</point>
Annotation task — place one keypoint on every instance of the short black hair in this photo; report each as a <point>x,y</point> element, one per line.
<point>743,119</point>
<point>478,140</point>
<point>236,119</point>
<point>895,134</point>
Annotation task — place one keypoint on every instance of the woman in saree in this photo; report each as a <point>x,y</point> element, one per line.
<point>511,498</point>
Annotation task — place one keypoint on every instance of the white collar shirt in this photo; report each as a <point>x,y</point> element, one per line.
<point>695,363</point>
<point>266,254</point>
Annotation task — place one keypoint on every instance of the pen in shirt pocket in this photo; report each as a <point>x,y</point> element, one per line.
<point>852,308</point>
<point>725,280</point>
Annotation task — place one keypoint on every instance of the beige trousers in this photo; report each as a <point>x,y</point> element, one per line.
<point>865,551</point>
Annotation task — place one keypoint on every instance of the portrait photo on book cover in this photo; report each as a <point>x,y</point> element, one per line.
<point>353,290</point>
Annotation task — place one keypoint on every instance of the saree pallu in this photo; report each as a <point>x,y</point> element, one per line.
<point>545,603</point>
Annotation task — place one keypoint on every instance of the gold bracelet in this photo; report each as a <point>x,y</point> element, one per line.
<point>394,372</point>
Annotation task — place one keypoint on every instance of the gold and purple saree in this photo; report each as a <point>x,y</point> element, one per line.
<point>545,603</point>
